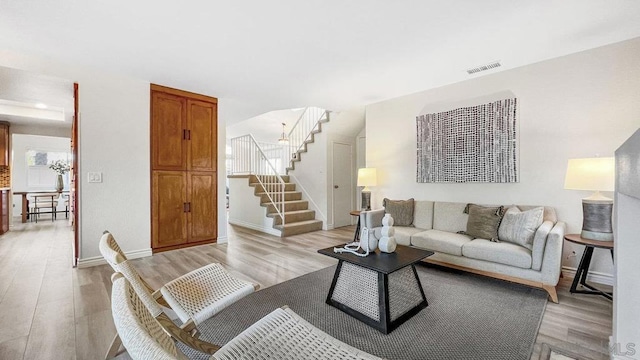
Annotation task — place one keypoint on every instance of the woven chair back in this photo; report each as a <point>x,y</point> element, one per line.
<point>110,250</point>
<point>141,334</point>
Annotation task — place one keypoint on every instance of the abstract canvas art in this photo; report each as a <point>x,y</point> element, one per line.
<point>469,144</point>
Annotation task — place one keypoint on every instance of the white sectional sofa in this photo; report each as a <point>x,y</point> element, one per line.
<point>436,225</point>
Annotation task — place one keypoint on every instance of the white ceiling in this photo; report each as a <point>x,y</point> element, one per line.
<point>30,89</point>
<point>257,56</point>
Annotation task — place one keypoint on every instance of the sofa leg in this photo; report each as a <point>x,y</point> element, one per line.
<point>552,292</point>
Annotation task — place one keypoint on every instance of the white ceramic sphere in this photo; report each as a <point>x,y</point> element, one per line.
<point>388,231</point>
<point>387,220</point>
<point>387,244</point>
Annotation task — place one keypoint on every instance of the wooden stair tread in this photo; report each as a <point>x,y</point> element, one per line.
<point>278,192</point>
<point>298,224</point>
<point>291,212</point>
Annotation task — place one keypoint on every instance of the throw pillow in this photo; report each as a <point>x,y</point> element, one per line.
<point>484,221</point>
<point>400,210</point>
<point>519,227</point>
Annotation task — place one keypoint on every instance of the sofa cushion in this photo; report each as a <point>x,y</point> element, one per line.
<point>402,234</point>
<point>484,221</point>
<point>423,214</point>
<point>400,210</point>
<point>448,216</point>
<point>502,253</point>
<point>440,241</point>
<point>519,227</point>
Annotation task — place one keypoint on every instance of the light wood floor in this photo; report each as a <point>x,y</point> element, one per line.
<point>50,311</point>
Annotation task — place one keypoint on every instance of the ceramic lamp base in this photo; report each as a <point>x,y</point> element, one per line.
<point>596,222</point>
<point>366,200</point>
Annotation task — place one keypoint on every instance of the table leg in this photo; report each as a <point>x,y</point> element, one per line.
<point>581,276</point>
<point>333,283</point>
<point>356,236</point>
<point>25,207</point>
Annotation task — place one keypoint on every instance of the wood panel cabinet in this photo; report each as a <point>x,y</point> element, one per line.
<point>5,209</point>
<point>4,144</point>
<point>183,169</point>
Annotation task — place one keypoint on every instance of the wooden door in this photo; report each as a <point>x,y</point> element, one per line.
<point>342,184</point>
<point>203,219</point>
<point>202,136</point>
<point>168,210</point>
<point>168,131</point>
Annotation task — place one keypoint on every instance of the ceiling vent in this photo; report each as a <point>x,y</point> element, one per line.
<point>489,66</point>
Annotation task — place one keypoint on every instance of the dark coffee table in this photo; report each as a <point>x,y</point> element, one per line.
<point>382,290</point>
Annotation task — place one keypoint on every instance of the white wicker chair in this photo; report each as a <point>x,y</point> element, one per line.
<point>194,297</point>
<point>281,334</point>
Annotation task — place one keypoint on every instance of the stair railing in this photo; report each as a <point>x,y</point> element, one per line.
<point>250,159</point>
<point>303,130</point>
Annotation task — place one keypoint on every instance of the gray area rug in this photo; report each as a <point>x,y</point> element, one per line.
<point>468,317</point>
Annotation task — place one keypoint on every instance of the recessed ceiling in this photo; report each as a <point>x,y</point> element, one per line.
<point>33,99</point>
<point>258,56</point>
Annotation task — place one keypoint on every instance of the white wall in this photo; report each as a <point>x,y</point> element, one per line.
<point>314,174</point>
<point>626,308</point>
<point>575,106</point>
<point>245,209</point>
<point>19,145</point>
<point>113,139</point>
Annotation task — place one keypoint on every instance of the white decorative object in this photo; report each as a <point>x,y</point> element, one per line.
<point>387,220</point>
<point>367,243</point>
<point>387,241</point>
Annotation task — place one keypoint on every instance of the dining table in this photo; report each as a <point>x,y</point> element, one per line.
<point>25,201</point>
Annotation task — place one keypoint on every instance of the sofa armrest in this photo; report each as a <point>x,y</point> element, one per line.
<point>552,259</point>
<point>539,243</point>
<point>371,219</point>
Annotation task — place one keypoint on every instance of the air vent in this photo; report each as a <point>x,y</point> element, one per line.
<point>489,66</point>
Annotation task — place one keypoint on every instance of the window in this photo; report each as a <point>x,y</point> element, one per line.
<point>39,176</point>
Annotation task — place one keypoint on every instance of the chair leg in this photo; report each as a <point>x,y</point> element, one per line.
<point>114,348</point>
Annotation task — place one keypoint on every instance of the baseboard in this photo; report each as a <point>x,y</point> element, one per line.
<point>326,226</point>
<point>594,276</point>
<point>270,231</point>
<point>222,240</point>
<point>99,260</point>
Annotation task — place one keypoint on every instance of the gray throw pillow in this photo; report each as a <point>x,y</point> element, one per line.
<point>400,210</point>
<point>519,227</point>
<point>484,221</point>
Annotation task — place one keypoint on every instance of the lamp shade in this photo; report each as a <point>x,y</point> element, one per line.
<point>367,177</point>
<point>595,174</point>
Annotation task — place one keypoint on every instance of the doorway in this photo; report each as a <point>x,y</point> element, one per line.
<point>41,115</point>
<point>342,166</point>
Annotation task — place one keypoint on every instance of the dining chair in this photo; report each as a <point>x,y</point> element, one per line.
<point>41,202</point>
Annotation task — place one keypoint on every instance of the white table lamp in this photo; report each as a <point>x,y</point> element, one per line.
<point>593,174</point>
<point>367,177</point>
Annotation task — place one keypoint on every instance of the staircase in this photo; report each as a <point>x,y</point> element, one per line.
<point>303,133</point>
<point>265,165</point>
<point>298,219</point>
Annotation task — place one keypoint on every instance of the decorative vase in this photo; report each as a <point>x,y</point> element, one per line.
<point>59,183</point>
<point>387,242</point>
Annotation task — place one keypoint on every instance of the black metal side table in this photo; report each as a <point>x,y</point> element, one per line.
<point>583,268</point>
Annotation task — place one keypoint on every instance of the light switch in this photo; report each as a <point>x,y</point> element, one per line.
<point>94,177</point>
